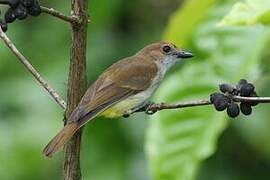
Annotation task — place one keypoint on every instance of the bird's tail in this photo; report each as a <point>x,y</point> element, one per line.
<point>61,139</point>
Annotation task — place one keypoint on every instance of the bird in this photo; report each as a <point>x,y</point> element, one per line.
<point>121,89</point>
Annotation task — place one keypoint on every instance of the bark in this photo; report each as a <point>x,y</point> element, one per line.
<point>76,86</point>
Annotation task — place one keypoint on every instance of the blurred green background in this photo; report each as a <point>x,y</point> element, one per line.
<point>230,39</point>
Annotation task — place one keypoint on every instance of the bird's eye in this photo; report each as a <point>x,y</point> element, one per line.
<point>166,49</point>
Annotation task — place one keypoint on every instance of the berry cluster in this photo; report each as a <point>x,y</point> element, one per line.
<point>19,9</point>
<point>224,100</point>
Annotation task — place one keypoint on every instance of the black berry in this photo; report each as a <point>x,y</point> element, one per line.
<point>221,104</point>
<point>241,83</point>
<point>233,110</point>
<point>20,12</point>
<point>220,101</point>
<point>13,3</point>
<point>226,88</point>
<point>28,3</point>
<point>245,108</point>
<point>35,9</point>
<point>215,96</point>
<point>10,16</point>
<point>246,89</point>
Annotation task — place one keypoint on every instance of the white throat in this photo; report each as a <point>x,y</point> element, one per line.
<point>166,64</point>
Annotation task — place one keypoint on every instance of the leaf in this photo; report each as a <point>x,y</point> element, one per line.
<point>185,20</point>
<point>248,13</point>
<point>179,140</point>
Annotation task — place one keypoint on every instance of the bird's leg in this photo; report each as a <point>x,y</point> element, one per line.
<point>140,108</point>
<point>148,109</point>
<point>145,107</point>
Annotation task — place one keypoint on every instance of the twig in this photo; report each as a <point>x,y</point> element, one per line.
<point>72,19</point>
<point>252,99</point>
<point>32,70</point>
<point>152,108</point>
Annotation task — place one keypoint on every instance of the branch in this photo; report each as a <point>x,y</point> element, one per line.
<point>152,108</point>
<point>32,70</point>
<point>76,86</point>
<point>72,19</point>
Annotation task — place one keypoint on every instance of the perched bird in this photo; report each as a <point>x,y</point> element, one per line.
<point>121,89</point>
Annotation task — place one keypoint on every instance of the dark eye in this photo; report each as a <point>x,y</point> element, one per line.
<point>166,49</point>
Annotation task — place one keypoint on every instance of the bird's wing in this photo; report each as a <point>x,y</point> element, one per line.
<point>123,79</point>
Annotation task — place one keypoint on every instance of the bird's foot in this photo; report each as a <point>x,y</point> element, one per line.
<point>148,109</point>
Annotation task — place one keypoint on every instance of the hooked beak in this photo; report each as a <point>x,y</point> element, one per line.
<point>184,54</point>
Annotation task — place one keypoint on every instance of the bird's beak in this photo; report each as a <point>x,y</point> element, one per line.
<point>184,54</point>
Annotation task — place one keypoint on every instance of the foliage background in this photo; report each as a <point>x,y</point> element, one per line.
<point>195,143</point>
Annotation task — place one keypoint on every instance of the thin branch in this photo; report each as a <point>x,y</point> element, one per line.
<point>72,19</point>
<point>252,99</point>
<point>32,70</point>
<point>152,108</point>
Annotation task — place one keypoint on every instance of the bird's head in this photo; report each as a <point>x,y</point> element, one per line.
<point>164,53</point>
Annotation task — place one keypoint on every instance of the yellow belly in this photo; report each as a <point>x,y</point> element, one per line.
<point>121,108</point>
<point>125,106</point>
<point>113,112</point>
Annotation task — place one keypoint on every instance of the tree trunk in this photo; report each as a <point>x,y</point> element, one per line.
<point>76,86</point>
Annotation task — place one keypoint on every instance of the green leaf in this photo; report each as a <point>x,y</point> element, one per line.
<point>248,13</point>
<point>185,20</point>
<point>179,140</point>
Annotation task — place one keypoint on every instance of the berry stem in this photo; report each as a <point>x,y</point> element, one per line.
<point>71,19</point>
<point>154,107</point>
<point>251,99</point>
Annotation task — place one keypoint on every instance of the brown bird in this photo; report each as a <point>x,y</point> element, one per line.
<point>121,89</point>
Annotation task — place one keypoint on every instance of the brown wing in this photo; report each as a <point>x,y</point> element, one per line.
<point>121,80</point>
